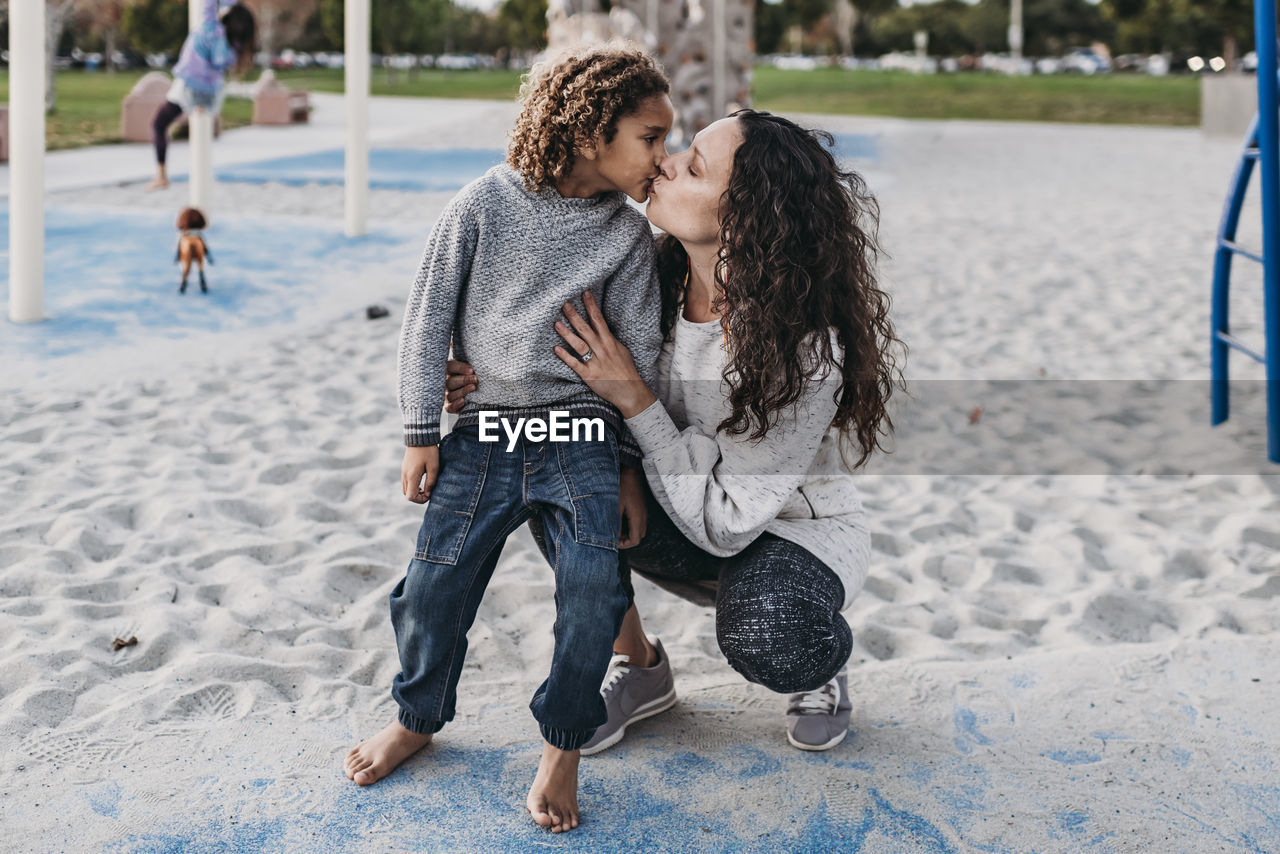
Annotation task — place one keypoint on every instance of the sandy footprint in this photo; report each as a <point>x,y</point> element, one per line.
<point>209,704</point>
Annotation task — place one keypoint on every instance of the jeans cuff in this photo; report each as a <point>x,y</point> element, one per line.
<point>422,726</point>
<point>566,739</point>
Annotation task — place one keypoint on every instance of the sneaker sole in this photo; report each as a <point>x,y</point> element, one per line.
<point>830,744</point>
<point>647,711</point>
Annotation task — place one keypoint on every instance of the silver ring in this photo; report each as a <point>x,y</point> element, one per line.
<point>587,356</point>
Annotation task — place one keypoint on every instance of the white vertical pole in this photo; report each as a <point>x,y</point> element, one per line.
<point>199,135</point>
<point>1015,30</point>
<point>719,58</point>
<point>356,76</point>
<point>26,161</point>
<point>200,132</point>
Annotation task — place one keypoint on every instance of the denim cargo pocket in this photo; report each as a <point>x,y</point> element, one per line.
<point>590,471</point>
<point>452,505</point>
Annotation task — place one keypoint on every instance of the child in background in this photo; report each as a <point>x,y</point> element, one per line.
<point>509,251</point>
<point>224,40</point>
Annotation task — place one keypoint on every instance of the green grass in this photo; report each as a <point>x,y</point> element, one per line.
<point>492,84</point>
<point>89,102</point>
<point>88,111</point>
<point>1108,99</point>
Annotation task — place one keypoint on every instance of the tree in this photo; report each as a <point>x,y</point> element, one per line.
<point>1165,26</point>
<point>943,21</point>
<point>1051,26</point>
<point>397,26</point>
<point>525,22</point>
<point>155,26</point>
<point>1233,19</point>
<point>56,15</point>
<point>281,22</point>
<point>104,17</point>
<point>771,25</point>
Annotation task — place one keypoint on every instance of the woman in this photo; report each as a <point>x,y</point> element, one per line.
<point>778,355</point>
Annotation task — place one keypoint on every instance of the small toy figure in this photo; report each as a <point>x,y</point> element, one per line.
<point>191,247</point>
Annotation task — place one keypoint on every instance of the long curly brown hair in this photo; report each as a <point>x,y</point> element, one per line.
<point>576,97</point>
<point>798,258</point>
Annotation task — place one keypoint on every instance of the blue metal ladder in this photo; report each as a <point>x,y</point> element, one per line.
<point>1261,146</point>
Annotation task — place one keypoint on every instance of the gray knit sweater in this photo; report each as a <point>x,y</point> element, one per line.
<point>498,265</point>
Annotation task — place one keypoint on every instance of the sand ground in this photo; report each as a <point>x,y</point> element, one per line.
<point>1065,643</point>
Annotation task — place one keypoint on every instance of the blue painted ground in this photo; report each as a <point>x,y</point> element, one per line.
<point>389,169</point>
<point>111,279</point>
<point>419,170</point>
<point>471,798</point>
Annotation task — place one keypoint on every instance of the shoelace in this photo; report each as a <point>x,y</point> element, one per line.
<point>619,666</point>
<point>820,701</point>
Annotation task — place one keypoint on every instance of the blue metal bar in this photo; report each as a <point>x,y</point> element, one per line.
<point>1232,246</point>
<point>1218,350</point>
<point>1236,343</point>
<point>1264,15</point>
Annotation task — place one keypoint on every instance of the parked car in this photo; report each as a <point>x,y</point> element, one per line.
<point>1048,65</point>
<point>1131,62</point>
<point>1084,61</point>
<point>794,62</point>
<point>127,59</point>
<point>898,61</point>
<point>458,61</point>
<point>1003,63</point>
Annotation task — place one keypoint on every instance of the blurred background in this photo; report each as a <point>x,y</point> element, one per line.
<point>1112,61</point>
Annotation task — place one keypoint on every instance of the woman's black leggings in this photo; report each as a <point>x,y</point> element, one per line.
<point>778,618</point>
<point>165,116</point>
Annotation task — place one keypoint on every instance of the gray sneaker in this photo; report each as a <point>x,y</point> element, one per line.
<point>631,694</point>
<point>819,719</point>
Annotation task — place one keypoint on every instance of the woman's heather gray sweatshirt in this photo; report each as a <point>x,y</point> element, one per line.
<point>498,265</point>
<point>721,490</point>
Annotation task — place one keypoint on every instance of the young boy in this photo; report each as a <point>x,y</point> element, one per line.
<point>507,253</point>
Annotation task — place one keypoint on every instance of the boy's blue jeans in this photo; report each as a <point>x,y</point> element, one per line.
<point>482,494</point>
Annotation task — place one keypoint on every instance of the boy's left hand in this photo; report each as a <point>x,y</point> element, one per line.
<point>631,507</point>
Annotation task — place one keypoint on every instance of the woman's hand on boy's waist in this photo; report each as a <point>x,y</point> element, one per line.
<point>602,361</point>
<point>459,381</point>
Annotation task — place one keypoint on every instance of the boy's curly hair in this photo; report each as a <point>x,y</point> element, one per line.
<point>575,97</point>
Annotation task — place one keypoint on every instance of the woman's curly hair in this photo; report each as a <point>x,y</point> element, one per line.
<point>574,98</point>
<point>798,258</point>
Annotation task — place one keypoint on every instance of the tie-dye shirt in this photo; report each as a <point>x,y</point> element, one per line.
<point>206,54</point>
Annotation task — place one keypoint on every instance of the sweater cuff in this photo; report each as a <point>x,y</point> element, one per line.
<point>653,429</point>
<point>630,457</point>
<point>420,431</point>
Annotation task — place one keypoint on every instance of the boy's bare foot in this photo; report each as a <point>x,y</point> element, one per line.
<point>158,184</point>
<point>553,797</point>
<point>370,761</point>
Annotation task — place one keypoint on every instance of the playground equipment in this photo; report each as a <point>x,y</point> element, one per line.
<point>1262,145</point>
<point>706,46</point>
<point>26,146</point>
